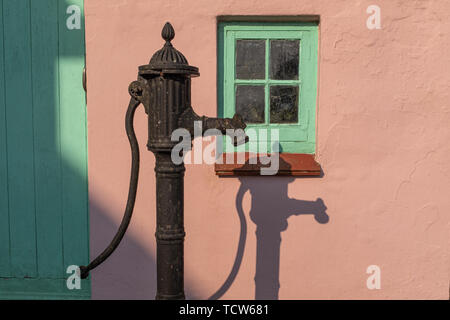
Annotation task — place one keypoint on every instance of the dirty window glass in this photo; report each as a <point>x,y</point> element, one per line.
<point>283,104</point>
<point>250,103</point>
<point>284,59</point>
<point>250,59</point>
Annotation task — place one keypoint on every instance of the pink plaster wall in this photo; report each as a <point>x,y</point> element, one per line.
<point>382,139</point>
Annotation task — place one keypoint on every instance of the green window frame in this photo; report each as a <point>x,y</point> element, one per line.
<point>299,137</point>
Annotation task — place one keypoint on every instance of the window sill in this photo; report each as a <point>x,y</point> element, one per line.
<point>291,164</point>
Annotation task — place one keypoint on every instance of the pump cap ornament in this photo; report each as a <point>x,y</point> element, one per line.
<point>168,59</point>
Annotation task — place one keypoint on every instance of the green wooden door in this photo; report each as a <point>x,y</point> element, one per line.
<point>43,148</point>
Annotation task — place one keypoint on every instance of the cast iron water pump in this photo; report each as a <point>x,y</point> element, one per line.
<point>164,89</point>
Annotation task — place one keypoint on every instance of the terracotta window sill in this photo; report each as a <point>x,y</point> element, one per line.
<point>291,164</point>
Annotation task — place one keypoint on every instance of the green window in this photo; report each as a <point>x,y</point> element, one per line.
<point>268,74</point>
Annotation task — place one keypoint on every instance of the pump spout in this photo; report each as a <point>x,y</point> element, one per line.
<point>234,127</point>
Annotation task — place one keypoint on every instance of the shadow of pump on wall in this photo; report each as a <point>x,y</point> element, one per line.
<point>270,209</point>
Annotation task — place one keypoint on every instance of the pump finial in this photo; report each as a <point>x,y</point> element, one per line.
<point>168,33</point>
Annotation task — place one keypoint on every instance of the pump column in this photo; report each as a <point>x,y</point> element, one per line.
<point>170,227</point>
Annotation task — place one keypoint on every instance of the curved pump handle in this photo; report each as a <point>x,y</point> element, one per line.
<point>135,91</point>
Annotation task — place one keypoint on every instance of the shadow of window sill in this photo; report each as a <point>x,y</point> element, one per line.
<point>290,164</point>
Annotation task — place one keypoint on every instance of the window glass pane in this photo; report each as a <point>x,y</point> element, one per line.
<point>250,59</point>
<point>250,103</point>
<point>284,58</point>
<point>283,104</point>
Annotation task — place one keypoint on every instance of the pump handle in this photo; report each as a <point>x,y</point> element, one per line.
<point>129,119</point>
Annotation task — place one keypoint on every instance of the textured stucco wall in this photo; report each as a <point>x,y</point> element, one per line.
<point>382,139</point>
